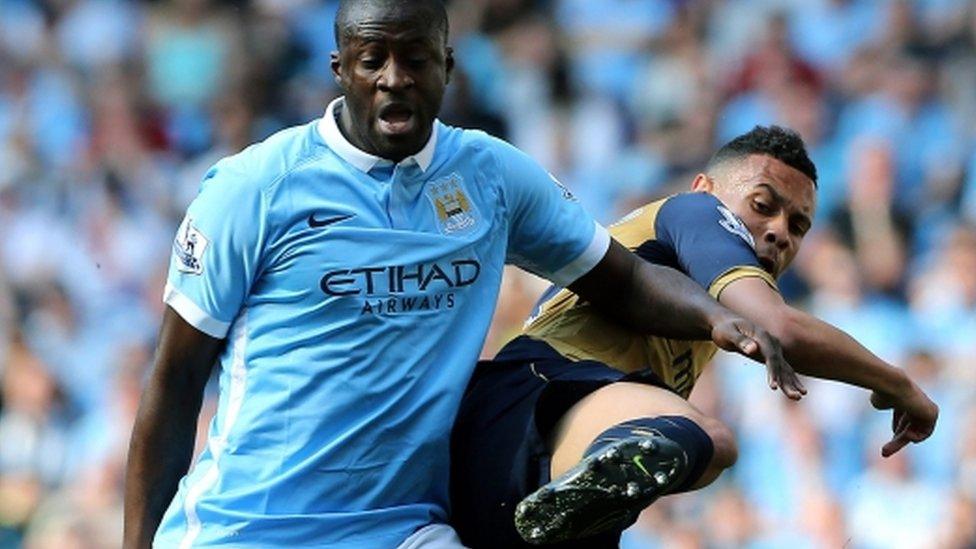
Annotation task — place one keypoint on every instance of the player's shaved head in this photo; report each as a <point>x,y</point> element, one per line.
<point>393,65</point>
<point>352,12</point>
<point>780,143</point>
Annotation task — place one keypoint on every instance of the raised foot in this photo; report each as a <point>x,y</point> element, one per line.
<point>605,491</point>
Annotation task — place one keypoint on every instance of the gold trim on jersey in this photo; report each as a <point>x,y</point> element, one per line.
<point>738,273</point>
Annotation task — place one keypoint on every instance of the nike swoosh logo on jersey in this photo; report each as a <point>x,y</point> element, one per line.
<point>317,223</point>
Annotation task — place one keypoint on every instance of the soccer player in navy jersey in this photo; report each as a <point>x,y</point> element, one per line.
<point>344,274</point>
<point>601,409</point>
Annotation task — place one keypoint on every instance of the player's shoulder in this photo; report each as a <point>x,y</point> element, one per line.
<point>689,210</point>
<point>264,164</point>
<point>477,138</point>
<point>691,203</point>
<point>465,140</point>
<point>698,212</point>
<point>638,226</point>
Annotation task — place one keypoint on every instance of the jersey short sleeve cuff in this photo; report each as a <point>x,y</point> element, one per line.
<point>585,261</point>
<point>193,314</point>
<point>738,273</point>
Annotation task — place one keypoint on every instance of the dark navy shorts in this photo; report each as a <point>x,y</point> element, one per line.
<point>499,452</point>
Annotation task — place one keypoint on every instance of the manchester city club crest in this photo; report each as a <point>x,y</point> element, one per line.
<point>452,206</point>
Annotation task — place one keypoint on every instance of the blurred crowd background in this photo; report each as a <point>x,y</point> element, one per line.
<point>111,111</point>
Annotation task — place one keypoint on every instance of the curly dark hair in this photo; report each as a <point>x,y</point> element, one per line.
<point>781,143</point>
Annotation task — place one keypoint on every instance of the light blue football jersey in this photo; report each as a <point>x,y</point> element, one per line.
<point>355,296</point>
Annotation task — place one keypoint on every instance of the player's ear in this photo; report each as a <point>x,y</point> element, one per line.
<point>702,184</point>
<point>449,63</point>
<point>336,63</point>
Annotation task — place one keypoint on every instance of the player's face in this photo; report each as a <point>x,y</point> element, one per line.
<point>775,201</point>
<point>393,68</point>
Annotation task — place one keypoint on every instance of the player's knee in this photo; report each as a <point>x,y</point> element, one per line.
<point>725,450</point>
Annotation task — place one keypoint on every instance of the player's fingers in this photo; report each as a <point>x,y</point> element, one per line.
<point>791,378</point>
<point>792,387</point>
<point>731,336</point>
<point>880,402</point>
<point>765,349</point>
<point>748,342</point>
<point>748,347</point>
<point>785,380</point>
<point>799,384</point>
<point>803,387</point>
<point>779,374</point>
<point>771,378</point>
<point>794,392</point>
<point>895,444</point>
<point>916,434</point>
<point>772,355</point>
<point>760,346</point>
<point>899,422</point>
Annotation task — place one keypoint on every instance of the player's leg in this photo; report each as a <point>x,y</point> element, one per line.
<point>499,450</point>
<point>622,403</point>
<point>614,452</point>
<point>497,458</point>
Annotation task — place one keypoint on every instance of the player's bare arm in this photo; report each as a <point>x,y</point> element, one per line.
<point>818,349</point>
<point>650,298</point>
<point>165,428</point>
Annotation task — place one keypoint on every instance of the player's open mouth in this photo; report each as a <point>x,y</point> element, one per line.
<point>396,119</point>
<point>768,265</point>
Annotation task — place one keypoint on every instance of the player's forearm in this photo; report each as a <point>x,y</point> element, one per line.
<point>811,346</point>
<point>159,455</point>
<point>649,298</point>
<point>668,303</point>
<point>817,349</point>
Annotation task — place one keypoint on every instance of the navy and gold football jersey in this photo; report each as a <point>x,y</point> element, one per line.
<point>691,232</point>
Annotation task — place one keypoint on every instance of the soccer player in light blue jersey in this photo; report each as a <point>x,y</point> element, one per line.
<point>344,274</point>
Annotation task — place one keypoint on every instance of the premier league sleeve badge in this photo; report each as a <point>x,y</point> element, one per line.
<point>189,246</point>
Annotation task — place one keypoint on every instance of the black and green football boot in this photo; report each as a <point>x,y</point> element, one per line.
<point>606,491</point>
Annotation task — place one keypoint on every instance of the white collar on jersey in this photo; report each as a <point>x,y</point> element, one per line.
<point>329,130</point>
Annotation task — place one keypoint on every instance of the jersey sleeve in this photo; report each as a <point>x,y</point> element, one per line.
<point>550,234</point>
<point>217,249</point>
<point>711,244</point>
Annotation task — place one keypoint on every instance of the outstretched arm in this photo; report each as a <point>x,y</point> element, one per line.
<point>162,438</point>
<point>818,349</point>
<point>662,301</point>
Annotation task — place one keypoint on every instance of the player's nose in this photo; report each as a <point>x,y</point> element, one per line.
<point>394,77</point>
<point>777,233</point>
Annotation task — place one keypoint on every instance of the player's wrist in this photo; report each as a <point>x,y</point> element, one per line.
<point>899,385</point>
<point>718,315</point>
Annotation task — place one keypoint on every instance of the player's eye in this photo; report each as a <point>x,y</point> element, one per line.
<point>762,207</point>
<point>799,228</point>
<point>371,60</point>
<point>416,57</point>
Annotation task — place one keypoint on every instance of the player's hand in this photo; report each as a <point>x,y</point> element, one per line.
<point>913,419</point>
<point>741,336</point>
